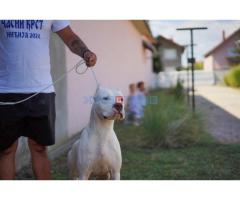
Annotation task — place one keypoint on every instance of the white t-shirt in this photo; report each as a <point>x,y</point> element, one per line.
<point>24,54</point>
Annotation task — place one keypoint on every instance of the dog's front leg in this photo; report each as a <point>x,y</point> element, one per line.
<point>115,175</point>
<point>83,176</point>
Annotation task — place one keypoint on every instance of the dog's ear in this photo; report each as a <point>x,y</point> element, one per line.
<point>96,93</point>
<point>99,87</point>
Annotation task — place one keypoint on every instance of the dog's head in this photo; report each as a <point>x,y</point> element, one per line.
<point>109,104</point>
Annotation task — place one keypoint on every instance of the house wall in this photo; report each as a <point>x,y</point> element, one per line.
<point>219,56</point>
<point>168,79</point>
<point>208,63</point>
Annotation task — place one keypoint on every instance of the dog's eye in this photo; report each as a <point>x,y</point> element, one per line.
<point>105,98</point>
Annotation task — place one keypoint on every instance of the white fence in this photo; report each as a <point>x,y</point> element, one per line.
<point>169,78</point>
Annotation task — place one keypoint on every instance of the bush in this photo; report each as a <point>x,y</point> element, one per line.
<point>178,90</point>
<point>198,65</point>
<point>232,77</point>
<point>170,124</point>
<point>179,68</point>
<point>157,64</point>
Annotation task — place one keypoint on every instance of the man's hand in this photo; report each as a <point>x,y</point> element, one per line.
<point>77,46</point>
<point>90,58</point>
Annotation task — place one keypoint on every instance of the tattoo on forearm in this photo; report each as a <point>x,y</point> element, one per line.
<point>78,47</point>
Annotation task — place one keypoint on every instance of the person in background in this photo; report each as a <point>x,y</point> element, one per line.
<point>132,106</point>
<point>142,100</point>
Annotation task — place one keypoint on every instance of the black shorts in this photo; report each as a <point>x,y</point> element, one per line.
<point>34,118</point>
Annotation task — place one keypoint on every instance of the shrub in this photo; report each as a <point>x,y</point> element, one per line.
<point>198,65</point>
<point>170,124</point>
<point>157,64</point>
<point>178,90</point>
<point>232,77</point>
<point>179,68</point>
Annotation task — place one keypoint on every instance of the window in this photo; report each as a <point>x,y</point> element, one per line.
<point>170,54</point>
<point>231,52</point>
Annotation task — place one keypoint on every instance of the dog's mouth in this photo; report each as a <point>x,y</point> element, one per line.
<point>116,116</point>
<point>105,117</point>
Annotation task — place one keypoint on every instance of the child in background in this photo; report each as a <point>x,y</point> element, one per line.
<point>132,107</point>
<point>141,94</point>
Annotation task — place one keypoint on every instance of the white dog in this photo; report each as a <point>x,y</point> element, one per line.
<point>97,152</point>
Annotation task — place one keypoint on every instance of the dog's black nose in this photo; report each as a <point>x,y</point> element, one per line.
<point>118,106</point>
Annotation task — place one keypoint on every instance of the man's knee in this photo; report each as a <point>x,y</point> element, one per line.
<point>9,151</point>
<point>36,148</point>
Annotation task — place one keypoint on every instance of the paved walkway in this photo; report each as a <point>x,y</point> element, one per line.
<point>221,108</point>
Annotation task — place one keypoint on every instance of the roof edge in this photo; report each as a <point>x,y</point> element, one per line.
<point>221,43</point>
<point>171,41</point>
<point>144,29</point>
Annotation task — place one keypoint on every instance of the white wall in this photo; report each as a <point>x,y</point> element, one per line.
<point>169,79</point>
<point>208,63</point>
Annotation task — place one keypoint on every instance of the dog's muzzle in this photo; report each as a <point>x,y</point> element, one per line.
<point>118,107</point>
<point>119,110</point>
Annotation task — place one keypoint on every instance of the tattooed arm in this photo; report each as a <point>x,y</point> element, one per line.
<point>77,46</point>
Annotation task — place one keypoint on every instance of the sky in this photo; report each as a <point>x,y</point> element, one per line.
<point>205,40</point>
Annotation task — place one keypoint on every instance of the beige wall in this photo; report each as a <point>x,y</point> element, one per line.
<point>208,63</point>
<point>121,60</point>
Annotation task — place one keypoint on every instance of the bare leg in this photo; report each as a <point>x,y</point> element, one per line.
<point>7,162</point>
<point>40,162</point>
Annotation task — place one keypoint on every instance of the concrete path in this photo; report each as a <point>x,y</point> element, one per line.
<point>221,109</point>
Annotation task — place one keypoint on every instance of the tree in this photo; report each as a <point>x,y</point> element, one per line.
<point>157,62</point>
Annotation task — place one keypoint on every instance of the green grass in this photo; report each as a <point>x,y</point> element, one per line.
<point>203,159</point>
<point>206,160</point>
<point>170,122</point>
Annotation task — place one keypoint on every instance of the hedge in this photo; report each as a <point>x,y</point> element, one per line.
<point>232,77</point>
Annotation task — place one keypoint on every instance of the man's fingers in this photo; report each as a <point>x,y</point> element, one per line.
<point>90,63</point>
<point>90,59</point>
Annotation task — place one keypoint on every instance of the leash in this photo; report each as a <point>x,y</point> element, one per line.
<point>95,77</point>
<point>76,67</point>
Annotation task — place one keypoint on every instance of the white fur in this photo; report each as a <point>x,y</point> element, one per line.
<point>97,152</point>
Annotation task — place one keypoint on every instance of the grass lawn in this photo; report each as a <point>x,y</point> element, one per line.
<point>206,159</point>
